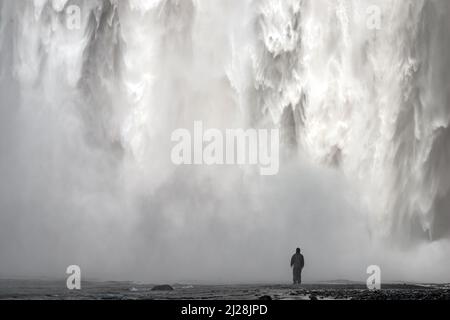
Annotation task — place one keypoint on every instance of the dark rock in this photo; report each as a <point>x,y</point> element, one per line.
<point>312,297</point>
<point>265,298</point>
<point>164,287</point>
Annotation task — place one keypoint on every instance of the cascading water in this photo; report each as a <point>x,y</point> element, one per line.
<point>87,113</point>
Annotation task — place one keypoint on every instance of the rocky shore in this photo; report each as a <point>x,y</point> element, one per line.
<point>56,290</point>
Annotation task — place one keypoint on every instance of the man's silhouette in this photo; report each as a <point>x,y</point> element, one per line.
<point>297,263</point>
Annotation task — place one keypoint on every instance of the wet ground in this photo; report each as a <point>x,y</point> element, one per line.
<point>56,290</point>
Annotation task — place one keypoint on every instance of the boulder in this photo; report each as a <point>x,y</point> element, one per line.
<point>163,287</point>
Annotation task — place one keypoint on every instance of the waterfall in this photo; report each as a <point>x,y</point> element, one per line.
<point>86,114</point>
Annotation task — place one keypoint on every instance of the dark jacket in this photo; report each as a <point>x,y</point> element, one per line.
<point>297,261</point>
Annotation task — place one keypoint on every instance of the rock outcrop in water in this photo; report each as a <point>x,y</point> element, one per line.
<point>163,287</point>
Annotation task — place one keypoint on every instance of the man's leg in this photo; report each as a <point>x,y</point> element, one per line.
<point>296,275</point>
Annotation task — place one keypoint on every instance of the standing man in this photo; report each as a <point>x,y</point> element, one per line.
<point>297,263</point>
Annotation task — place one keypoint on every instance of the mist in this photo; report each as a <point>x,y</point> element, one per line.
<point>86,117</point>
